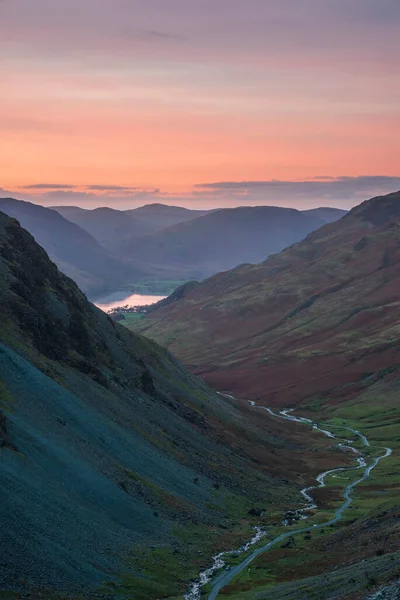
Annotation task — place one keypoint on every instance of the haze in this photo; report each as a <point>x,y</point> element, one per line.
<point>201,104</point>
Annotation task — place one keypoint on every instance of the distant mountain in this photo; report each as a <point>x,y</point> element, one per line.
<point>223,239</point>
<point>326,214</point>
<point>75,252</point>
<point>120,473</point>
<point>108,226</point>
<point>117,229</point>
<point>162,216</point>
<point>312,320</point>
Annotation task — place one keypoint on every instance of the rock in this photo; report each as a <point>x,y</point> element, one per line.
<point>255,512</point>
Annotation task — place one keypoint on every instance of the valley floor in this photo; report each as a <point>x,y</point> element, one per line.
<point>350,558</point>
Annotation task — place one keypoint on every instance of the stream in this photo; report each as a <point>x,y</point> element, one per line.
<point>228,574</point>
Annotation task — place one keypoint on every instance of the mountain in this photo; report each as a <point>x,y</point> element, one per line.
<point>315,328</point>
<point>108,226</point>
<point>117,229</point>
<point>225,238</point>
<point>180,243</point>
<point>75,252</point>
<point>161,216</point>
<point>121,473</point>
<point>326,214</point>
<point>319,306</point>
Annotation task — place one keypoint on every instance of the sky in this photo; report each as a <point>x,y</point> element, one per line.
<point>200,103</point>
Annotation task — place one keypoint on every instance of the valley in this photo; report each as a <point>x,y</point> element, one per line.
<point>132,472</point>
<point>120,298</point>
<point>166,471</point>
<point>365,463</point>
<point>200,300</point>
<point>315,329</point>
<point>156,248</point>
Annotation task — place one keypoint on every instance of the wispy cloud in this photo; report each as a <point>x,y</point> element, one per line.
<point>342,192</point>
<point>49,186</point>
<point>111,188</point>
<point>179,92</point>
<point>344,188</point>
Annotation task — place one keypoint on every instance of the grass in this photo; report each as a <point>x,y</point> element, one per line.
<point>131,319</point>
<point>376,413</point>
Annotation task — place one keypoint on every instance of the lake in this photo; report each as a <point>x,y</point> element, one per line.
<point>116,299</point>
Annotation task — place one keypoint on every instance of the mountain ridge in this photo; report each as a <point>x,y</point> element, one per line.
<point>225,238</point>
<point>77,253</point>
<point>287,292</point>
<point>112,453</point>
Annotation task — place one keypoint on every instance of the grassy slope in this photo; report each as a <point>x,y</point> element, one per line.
<point>326,306</point>
<point>361,552</point>
<point>224,238</point>
<point>315,326</point>
<point>121,470</point>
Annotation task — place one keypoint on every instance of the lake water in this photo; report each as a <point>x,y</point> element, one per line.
<point>116,299</point>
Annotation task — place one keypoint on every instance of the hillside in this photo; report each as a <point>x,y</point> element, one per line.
<point>315,327</point>
<point>121,473</point>
<point>117,229</point>
<point>161,216</point>
<point>111,228</point>
<point>326,214</point>
<point>75,252</point>
<point>225,238</point>
<point>317,307</point>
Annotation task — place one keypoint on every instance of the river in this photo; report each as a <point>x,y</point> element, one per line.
<point>224,578</point>
<point>116,299</point>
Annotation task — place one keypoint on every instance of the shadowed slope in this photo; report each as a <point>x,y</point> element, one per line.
<point>74,250</point>
<point>113,458</point>
<point>117,229</point>
<point>225,238</point>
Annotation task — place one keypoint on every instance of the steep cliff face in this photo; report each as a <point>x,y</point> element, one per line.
<point>117,466</point>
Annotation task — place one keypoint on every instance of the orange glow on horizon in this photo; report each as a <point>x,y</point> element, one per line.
<point>194,96</point>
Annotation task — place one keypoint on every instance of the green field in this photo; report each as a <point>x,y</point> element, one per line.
<point>363,546</point>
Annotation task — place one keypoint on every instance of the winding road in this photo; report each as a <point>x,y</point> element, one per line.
<point>224,578</point>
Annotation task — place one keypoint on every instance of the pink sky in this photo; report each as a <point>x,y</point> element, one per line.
<point>165,97</point>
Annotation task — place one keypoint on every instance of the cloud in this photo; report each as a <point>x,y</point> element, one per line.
<point>61,195</point>
<point>343,192</point>
<point>49,186</point>
<point>348,189</point>
<point>111,188</point>
<point>94,198</point>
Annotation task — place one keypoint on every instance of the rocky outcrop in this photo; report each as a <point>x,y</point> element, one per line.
<point>391,592</point>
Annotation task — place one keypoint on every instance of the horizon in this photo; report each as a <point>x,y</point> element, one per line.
<point>34,200</point>
<point>213,104</point>
<point>356,188</point>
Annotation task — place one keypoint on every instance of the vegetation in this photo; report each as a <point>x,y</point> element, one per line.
<point>108,427</point>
